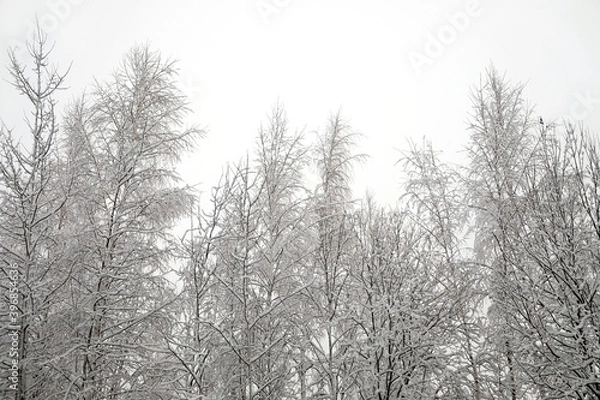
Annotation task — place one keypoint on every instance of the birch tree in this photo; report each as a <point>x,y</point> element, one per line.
<point>238,310</point>
<point>281,163</point>
<point>554,305</point>
<point>396,342</point>
<point>193,343</point>
<point>451,290</point>
<point>32,198</point>
<point>330,332</point>
<point>124,140</point>
<point>501,144</point>
<point>259,266</point>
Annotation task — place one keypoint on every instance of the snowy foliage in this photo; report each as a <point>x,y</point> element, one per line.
<point>480,283</point>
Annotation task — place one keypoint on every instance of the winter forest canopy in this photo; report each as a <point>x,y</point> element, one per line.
<point>481,282</point>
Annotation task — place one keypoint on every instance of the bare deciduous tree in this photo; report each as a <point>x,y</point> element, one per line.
<point>32,195</point>
<point>124,140</point>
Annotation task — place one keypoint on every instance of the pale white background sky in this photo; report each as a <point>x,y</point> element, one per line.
<point>237,57</point>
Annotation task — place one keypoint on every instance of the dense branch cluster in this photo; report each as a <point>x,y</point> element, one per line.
<point>481,282</point>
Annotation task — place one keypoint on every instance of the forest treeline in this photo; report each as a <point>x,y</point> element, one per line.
<point>480,283</point>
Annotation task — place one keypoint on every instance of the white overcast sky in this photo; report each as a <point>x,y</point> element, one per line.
<point>237,57</point>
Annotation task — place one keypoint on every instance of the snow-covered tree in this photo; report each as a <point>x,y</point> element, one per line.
<point>258,267</point>
<point>501,144</point>
<point>330,331</point>
<point>554,304</point>
<point>33,266</point>
<point>194,343</point>
<point>124,140</point>
<point>434,203</point>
